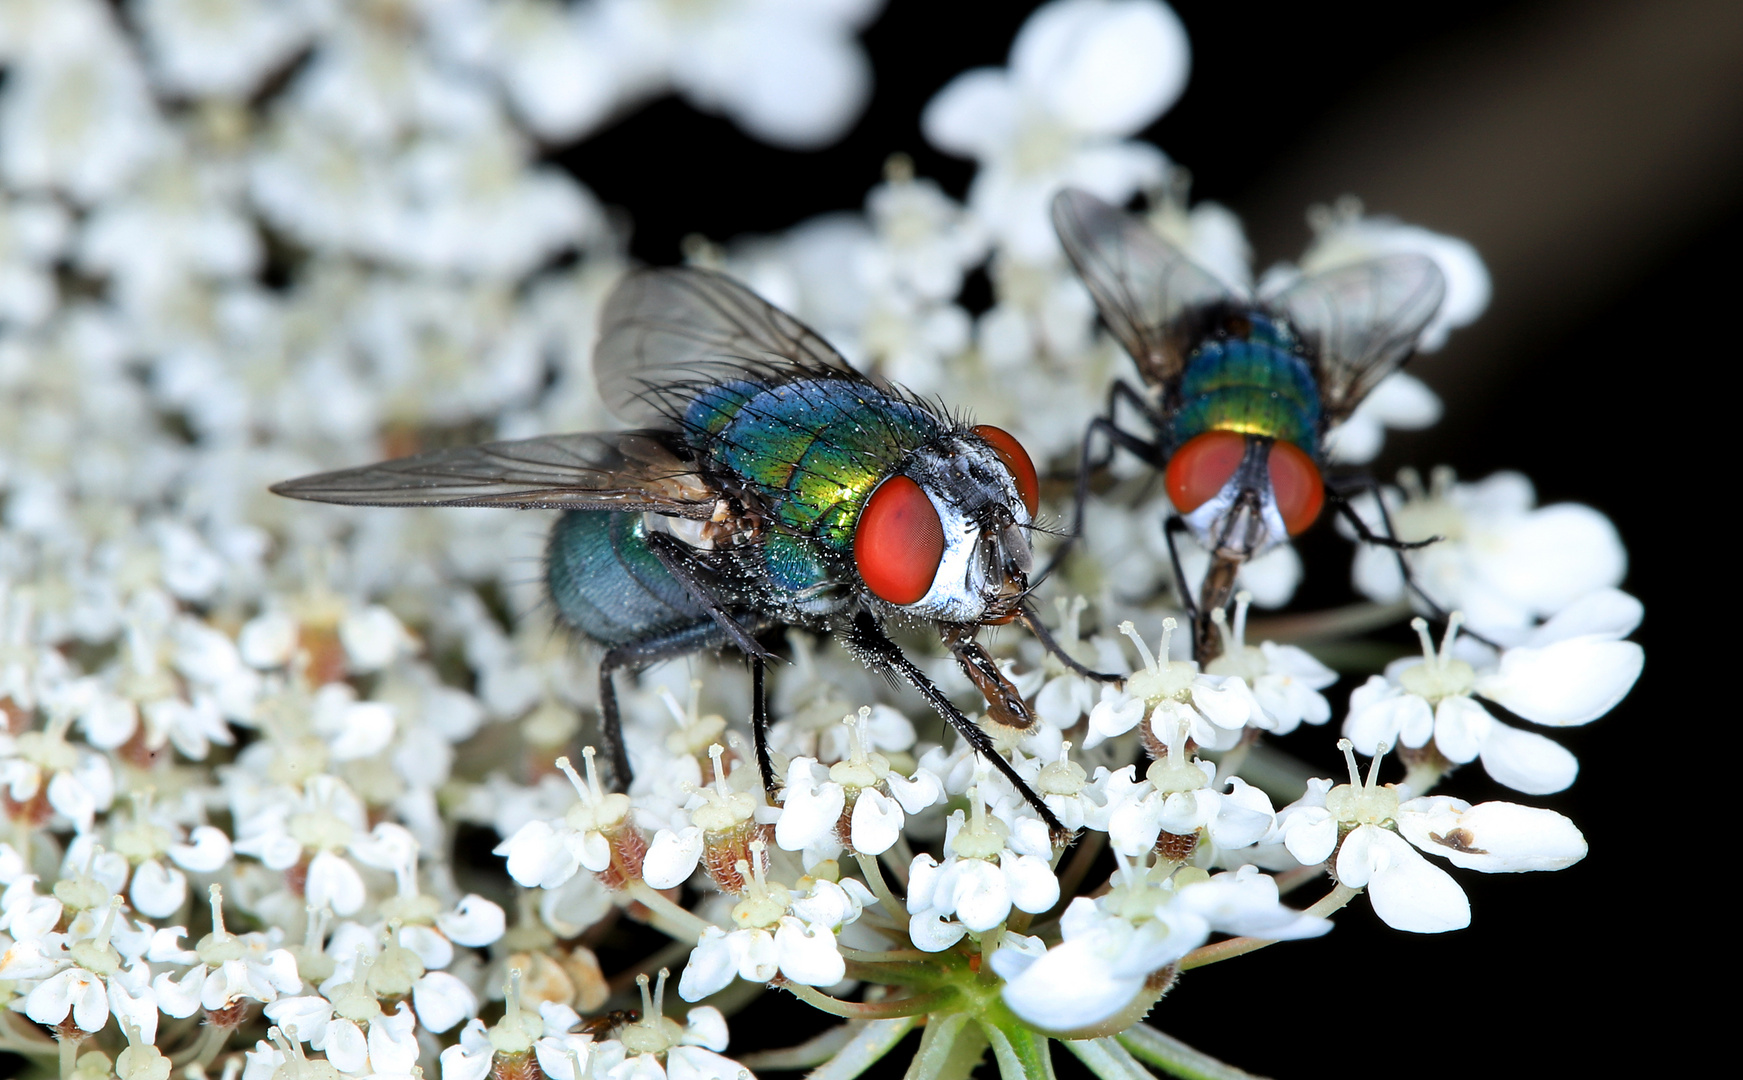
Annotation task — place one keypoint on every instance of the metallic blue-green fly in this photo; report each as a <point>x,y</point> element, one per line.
<point>767,484</point>
<point>1241,389</point>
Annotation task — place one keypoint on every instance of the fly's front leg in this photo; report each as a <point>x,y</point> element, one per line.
<point>1004,704</point>
<point>874,648</point>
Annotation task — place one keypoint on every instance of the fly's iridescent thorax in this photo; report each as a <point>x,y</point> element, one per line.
<point>1249,377</point>
<point>812,450</point>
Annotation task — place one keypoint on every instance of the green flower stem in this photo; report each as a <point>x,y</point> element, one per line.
<point>69,1054</point>
<point>812,1052</point>
<point>1108,1059</point>
<point>866,1048</point>
<point>912,1005</point>
<point>1335,624</point>
<point>24,1040</point>
<point>1224,950</point>
<point>888,956</point>
<point>1072,876</point>
<point>1166,1053</point>
<point>1290,880</point>
<point>1022,1052</point>
<point>874,877</point>
<point>949,1050</point>
<point>1425,770</point>
<point>664,915</point>
<point>898,859</point>
<point>927,974</point>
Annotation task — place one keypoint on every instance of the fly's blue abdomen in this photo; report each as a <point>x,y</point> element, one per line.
<point>1252,382</point>
<point>607,584</point>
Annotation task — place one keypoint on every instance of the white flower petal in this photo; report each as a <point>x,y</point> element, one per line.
<point>973,115</point>
<point>1407,891</point>
<point>809,954</point>
<point>876,823</point>
<point>474,922</point>
<point>209,851</point>
<point>672,857</point>
<point>157,890</point>
<point>1493,837</point>
<point>1566,683</point>
<point>711,966</point>
<point>335,883</point>
<point>1529,762</point>
<point>1104,68</point>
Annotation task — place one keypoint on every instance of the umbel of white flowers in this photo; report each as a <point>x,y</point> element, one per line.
<point>239,737</point>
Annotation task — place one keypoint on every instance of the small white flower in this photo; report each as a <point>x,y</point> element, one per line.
<point>1286,680</point>
<point>1084,76</point>
<point>546,855</point>
<point>776,933</point>
<point>1166,693</point>
<point>655,1048</point>
<point>1571,671</point>
<point>989,868</point>
<point>350,1025</point>
<point>325,819</point>
<point>1150,918</point>
<point>230,967</point>
<point>1180,796</point>
<point>787,71</point>
<point>1343,236</point>
<point>222,48</point>
<point>1501,561</point>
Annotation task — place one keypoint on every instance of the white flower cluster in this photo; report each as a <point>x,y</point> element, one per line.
<point>242,739</point>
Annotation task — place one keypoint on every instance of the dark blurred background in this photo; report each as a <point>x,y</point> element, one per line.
<point>1593,152</point>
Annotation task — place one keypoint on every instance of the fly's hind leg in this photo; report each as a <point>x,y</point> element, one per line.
<point>633,655</point>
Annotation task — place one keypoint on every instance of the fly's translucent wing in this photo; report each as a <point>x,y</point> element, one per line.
<point>1362,321</point>
<point>665,333</point>
<point>620,470</point>
<point>1143,285</point>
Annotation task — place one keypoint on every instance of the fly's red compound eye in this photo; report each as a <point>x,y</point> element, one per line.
<point>1016,459</point>
<point>899,542</point>
<point>1198,470</point>
<point>1296,483</point>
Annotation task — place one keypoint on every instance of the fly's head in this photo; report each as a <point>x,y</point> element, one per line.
<point>1243,494</point>
<point>945,537</point>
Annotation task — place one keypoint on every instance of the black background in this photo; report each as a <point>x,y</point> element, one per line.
<point>1581,379</point>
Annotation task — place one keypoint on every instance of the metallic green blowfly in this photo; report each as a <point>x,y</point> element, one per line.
<point>1239,391</point>
<point>768,484</point>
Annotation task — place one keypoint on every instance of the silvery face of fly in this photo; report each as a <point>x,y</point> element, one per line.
<point>766,484</point>
<point>983,570</point>
<point>1240,390</point>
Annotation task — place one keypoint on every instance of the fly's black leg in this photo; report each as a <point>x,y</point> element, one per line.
<point>1088,464</point>
<point>1032,619</point>
<point>1170,529</point>
<point>875,650</point>
<point>671,552</point>
<point>759,723</point>
<point>1388,540</point>
<point>1398,548</point>
<point>690,639</point>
